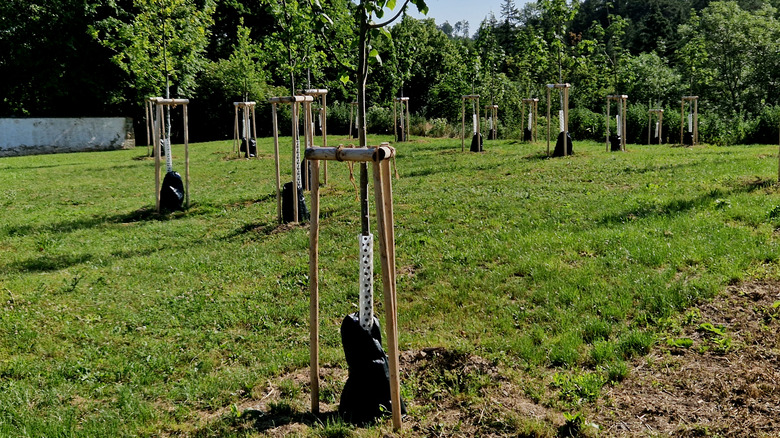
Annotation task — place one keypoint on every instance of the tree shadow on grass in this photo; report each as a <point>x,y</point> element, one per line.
<point>280,416</point>
<point>48,263</point>
<point>143,214</point>
<point>679,206</point>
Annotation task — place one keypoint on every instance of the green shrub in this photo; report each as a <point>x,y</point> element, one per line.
<point>584,124</point>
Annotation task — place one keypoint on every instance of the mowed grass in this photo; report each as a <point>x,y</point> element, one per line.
<point>116,321</point>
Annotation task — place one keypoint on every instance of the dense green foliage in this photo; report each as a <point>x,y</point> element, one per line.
<point>115,321</point>
<point>57,55</point>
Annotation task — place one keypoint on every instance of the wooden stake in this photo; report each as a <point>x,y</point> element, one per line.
<point>276,161</point>
<point>682,120</point>
<point>157,133</point>
<point>324,135</point>
<point>295,168</point>
<point>609,105</point>
<point>548,121</point>
<point>314,281</point>
<point>186,158</point>
<point>384,223</point>
<point>395,121</point>
<point>463,127</point>
<point>254,132</point>
<point>236,150</point>
<point>408,123</point>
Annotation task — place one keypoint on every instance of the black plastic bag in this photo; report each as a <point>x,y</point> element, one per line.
<point>688,138</point>
<point>615,143</point>
<point>558,152</point>
<point>171,192</point>
<point>366,395</point>
<point>527,135</point>
<point>401,132</point>
<point>287,204</point>
<point>248,147</point>
<point>476,143</point>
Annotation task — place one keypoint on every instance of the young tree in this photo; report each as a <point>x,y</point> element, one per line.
<point>725,47</point>
<point>159,42</point>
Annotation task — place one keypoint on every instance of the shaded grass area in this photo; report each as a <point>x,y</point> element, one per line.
<point>118,321</point>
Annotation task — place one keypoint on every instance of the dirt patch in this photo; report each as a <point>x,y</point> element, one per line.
<point>718,374</point>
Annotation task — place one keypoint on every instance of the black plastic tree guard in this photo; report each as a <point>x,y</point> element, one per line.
<point>287,204</point>
<point>171,192</point>
<point>615,144</point>
<point>558,152</point>
<point>476,143</point>
<point>366,395</point>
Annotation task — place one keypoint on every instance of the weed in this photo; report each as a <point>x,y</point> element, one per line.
<point>635,342</point>
<point>578,389</point>
<point>680,342</point>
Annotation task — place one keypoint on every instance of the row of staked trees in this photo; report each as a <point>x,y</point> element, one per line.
<point>103,58</point>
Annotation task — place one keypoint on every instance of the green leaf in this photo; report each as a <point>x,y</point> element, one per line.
<point>385,32</point>
<point>391,4</point>
<point>344,79</point>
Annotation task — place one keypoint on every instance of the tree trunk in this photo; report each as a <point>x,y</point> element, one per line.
<point>362,134</point>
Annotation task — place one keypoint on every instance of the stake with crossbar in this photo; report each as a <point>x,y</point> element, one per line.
<point>380,157</point>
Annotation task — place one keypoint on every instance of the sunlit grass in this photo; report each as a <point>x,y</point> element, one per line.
<point>116,321</point>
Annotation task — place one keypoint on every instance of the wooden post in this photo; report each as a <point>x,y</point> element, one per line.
<point>295,168</point>
<point>566,120</point>
<point>479,121</point>
<point>186,157</point>
<point>157,147</point>
<point>535,130</point>
<point>325,135</point>
<point>649,124</point>
<point>696,121</point>
<point>395,121</point>
<point>463,126</point>
<point>276,160</point>
<point>384,214</point>
<point>608,130</point>
<point>148,110</point>
<point>254,131</point>
<point>548,120</point>
<point>682,119</point>
<point>624,119</point>
<point>314,282</point>
<point>408,122</point>
<point>235,129</point>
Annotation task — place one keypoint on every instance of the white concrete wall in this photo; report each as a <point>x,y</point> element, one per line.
<point>56,135</point>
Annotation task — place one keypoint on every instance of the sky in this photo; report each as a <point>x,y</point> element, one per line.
<point>473,11</point>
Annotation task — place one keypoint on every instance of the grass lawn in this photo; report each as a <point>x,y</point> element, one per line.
<point>116,321</point>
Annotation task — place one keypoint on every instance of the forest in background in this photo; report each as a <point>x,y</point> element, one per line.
<point>71,58</point>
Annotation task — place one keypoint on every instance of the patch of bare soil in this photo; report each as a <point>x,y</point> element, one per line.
<point>718,376</point>
<point>454,395</point>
